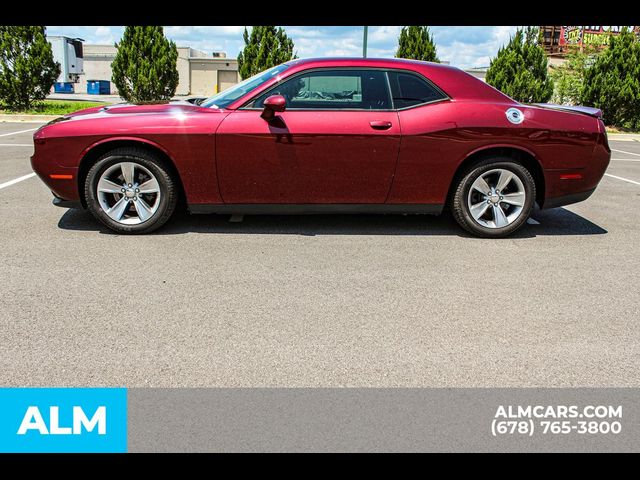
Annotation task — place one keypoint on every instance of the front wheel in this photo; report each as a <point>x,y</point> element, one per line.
<point>494,198</point>
<point>130,191</point>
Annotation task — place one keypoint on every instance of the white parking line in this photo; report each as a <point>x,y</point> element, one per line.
<point>628,153</point>
<point>16,133</point>
<point>622,178</point>
<point>16,180</point>
<point>31,145</point>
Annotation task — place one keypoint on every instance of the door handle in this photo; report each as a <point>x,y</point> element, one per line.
<point>380,125</point>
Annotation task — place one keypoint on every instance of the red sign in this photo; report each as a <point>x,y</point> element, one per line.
<point>592,36</point>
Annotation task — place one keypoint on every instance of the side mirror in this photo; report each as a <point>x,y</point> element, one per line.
<point>273,104</point>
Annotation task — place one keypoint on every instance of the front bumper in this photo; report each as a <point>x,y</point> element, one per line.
<point>47,163</point>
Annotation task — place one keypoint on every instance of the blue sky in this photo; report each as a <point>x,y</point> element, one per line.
<point>462,46</point>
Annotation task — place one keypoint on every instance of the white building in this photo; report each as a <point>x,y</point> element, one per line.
<point>200,73</point>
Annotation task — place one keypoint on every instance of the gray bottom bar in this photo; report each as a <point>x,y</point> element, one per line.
<point>383,420</point>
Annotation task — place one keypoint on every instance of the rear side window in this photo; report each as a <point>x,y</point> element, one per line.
<point>334,89</point>
<point>409,90</point>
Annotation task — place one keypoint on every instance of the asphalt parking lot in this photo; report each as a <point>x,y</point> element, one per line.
<point>319,301</point>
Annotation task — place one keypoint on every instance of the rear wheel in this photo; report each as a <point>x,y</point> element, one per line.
<point>494,198</point>
<point>130,191</point>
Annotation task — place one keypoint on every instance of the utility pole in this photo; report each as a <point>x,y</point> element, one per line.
<point>364,42</point>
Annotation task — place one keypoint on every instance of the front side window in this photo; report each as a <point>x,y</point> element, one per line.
<point>409,90</point>
<point>334,89</point>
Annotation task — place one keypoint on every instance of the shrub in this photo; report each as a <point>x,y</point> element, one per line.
<point>27,68</point>
<point>145,67</point>
<point>520,69</point>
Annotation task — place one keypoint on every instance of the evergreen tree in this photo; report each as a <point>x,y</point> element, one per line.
<point>613,82</point>
<point>27,68</point>
<point>416,43</point>
<point>145,67</point>
<point>520,69</point>
<point>265,47</point>
<point>568,78</point>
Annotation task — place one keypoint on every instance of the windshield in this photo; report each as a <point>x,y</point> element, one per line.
<point>230,95</point>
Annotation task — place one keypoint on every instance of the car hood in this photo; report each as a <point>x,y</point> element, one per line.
<point>173,107</point>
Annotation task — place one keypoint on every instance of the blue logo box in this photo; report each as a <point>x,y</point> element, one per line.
<point>63,420</point>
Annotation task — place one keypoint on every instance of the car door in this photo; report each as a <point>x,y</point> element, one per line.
<point>337,142</point>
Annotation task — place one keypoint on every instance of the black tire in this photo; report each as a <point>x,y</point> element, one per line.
<point>459,204</point>
<point>168,189</point>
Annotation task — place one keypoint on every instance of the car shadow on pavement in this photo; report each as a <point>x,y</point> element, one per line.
<point>558,221</point>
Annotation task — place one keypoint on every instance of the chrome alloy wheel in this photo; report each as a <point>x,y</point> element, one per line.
<point>128,193</point>
<point>496,198</point>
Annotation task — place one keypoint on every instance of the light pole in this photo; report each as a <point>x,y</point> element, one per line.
<point>364,42</point>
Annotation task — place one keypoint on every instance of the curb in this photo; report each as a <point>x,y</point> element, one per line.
<point>624,137</point>
<point>28,118</point>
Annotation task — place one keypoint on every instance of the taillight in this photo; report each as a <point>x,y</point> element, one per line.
<point>603,137</point>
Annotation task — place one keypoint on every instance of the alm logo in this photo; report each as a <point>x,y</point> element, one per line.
<point>33,420</point>
<point>63,420</point>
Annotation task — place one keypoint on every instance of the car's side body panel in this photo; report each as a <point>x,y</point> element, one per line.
<point>307,157</point>
<point>438,138</point>
<point>186,135</point>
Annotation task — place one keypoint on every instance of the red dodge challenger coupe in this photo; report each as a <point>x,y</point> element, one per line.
<point>328,136</point>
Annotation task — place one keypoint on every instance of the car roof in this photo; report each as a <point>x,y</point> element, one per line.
<point>454,82</point>
<point>360,61</point>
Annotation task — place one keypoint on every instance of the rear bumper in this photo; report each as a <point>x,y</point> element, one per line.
<point>567,185</point>
<point>567,199</point>
<point>61,202</point>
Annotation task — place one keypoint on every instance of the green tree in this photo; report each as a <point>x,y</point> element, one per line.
<point>264,47</point>
<point>568,78</point>
<point>613,82</point>
<point>520,69</point>
<point>27,68</point>
<point>416,43</point>
<point>145,67</point>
